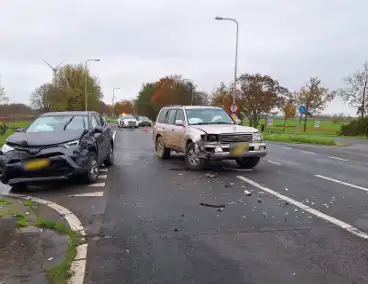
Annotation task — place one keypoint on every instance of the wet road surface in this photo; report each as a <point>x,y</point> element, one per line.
<point>304,222</point>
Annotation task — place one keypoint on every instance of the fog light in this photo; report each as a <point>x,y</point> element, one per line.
<point>218,149</point>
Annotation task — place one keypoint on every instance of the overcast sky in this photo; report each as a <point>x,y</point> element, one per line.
<point>141,40</point>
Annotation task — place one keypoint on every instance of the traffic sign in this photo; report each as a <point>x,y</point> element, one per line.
<point>234,108</point>
<point>316,124</point>
<point>302,109</point>
<point>269,121</point>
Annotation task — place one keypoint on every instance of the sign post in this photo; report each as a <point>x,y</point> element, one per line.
<point>302,110</point>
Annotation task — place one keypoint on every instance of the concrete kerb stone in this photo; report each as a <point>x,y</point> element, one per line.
<point>78,266</point>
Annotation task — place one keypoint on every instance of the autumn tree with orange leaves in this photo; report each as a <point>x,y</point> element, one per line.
<point>289,111</point>
<point>259,95</point>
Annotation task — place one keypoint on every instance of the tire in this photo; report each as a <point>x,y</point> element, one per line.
<point>248,163</point>
<point>161,150</point>
<point>19,187</point>
<point>110,159</point>
<point>191,161</point>
<point>91,175</point>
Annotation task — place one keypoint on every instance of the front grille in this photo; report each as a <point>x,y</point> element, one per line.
<point>233,138</point>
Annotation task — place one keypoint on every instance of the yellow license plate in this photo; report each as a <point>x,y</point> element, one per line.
<point>36,164</point>
<point>240,148</point>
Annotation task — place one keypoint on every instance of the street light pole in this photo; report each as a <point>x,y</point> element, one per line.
<point>113,100</point>
<point>86,82</point>
<point>236,51</point>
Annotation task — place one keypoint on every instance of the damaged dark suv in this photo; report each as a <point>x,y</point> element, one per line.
<point>57,146</point>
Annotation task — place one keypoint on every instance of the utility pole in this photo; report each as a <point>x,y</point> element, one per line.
<point>113,101</point>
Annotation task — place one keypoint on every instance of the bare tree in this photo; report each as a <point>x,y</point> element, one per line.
<point>40,98</point>
<point>356,92</point>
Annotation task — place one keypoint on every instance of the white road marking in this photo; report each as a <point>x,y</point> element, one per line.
<point>102,176</point>
<point>315,212</point>
<point>307,152</point>
<point>342,182</point>
<point>336,158</point>
<point>103,170</point>
<point>78,267</point>
<point>287,148</point>
<point>272,162</point>
<point>88,194</point>
<point>100,184</point>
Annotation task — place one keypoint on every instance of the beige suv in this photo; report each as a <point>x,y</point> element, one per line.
<point>205,133</point>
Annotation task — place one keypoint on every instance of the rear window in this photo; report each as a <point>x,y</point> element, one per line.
<point>161,118</point>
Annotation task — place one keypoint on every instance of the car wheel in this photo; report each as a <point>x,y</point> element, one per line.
<point>92,168</point>
<point>192,161</point>
<point>248,163</point>
<point>110,160</point>
<point>161,150</point>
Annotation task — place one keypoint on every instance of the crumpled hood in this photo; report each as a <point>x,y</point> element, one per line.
<point>38,139</point>
<point>224,128</point>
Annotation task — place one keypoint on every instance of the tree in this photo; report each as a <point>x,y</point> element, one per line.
<point>356,93</point>
<point>68,92</point>
<point>3,98</point>
<point>314,97</point>
<point>222,97</point>
<point>41,97</point>
<point>124,106</point>
<point>289,111</point>
<point>143,101</point>
<point>259,94</point>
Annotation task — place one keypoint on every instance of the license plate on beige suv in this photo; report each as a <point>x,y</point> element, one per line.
<point>239,148</point>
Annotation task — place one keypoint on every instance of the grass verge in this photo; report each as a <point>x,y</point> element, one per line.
<point>59,274</point>
<point>299,139</point>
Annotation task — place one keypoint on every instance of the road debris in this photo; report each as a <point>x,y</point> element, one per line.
<point>247,193</point>
<point>213,175</point>
<point>232,202</point>
<point>229,184</point>
<point>180,174</point>
<point>51,258</point>
<point>212,205</point>
<point>286,189</point>
<point>259,200</point>
<point>176,230</point>
<point>220,209</point>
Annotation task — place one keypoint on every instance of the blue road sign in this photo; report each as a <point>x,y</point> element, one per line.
<point>302,109</point>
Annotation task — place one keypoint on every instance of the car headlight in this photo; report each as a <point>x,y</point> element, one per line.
<point>72,144</point>
<point>6,148</point>
<point>257,136</point>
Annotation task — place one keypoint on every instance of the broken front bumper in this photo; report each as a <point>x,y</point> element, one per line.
<point>217,151</point>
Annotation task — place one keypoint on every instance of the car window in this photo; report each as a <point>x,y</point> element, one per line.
<point>97,119</point>
<point>171,116</point>
<point>100,118</point>
<point>180,115</point>
<point>58,123</point>
<point>161,118</point>
<point>94,122</point>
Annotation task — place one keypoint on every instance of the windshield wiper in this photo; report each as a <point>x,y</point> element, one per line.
<point>68,122</point>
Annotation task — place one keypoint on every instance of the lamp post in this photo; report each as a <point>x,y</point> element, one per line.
<point>86,82</point>
<point>236,50</point>
<point>113,100</point>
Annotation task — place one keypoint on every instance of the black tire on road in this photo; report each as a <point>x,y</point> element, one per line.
<point>161,150</point>
<point>110,159</point>
<point>248,163</point>
<point>192,161</point>
<point>91,175</point>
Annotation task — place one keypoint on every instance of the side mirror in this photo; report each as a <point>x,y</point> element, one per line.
<point>179,122</point>
<point>20,130</point>
<point>98,129</point>
<point>238,121</point>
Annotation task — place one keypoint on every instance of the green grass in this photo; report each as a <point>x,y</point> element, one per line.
<point>60,274</point>
<point>299,139</point>
<point>326,127</point>
<point>4,202</point>
<point>22,220</point>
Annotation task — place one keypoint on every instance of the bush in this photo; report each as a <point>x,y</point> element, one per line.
<point>358,127</point>
<point>3,128</point>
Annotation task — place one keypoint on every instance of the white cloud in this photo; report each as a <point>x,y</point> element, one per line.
<point>141,40</point>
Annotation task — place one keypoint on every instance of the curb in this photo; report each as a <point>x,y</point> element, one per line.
<point>78,266</point>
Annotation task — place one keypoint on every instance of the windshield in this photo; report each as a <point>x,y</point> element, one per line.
<point>58,123</point>
<point>143,118</point>
<point>208,116</point>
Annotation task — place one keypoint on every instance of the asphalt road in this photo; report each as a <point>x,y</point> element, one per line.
<point>305,221</point>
